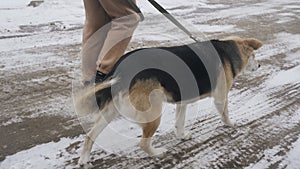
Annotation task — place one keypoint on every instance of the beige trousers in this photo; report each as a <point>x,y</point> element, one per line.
<point>107,31</point>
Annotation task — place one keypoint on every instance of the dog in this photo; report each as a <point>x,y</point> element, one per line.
<point>137,87</point>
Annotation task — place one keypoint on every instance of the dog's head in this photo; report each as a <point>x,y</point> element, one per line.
<point>247,47</point>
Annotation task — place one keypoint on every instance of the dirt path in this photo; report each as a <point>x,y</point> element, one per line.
<point>36,105</point>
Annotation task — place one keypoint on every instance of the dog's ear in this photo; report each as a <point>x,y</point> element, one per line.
<point>253,43</point>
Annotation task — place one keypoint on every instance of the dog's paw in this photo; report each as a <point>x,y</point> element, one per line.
<point>184,136</point>
<point>87,165</point>
<point>159,152</point>
<point>83,162</point>
<point>229,123</point>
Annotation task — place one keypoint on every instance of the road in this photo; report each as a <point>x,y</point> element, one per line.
<point>38,120</point>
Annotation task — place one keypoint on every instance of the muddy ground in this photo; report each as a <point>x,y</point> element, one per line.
<point>36,96</point>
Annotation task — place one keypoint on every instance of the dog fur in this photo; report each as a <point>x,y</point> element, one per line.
<point>150,88</point>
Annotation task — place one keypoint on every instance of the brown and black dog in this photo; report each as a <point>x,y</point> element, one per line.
<point>140,82</point>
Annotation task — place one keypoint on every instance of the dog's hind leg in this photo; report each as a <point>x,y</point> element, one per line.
<point>149,128</point>
<point>105,117</point>
<point>147,98</point>
<point>148,132</point>
<point>180,120</point>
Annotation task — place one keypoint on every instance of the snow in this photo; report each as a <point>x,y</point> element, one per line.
<point>284,42</point>
<point>218,28</point>
<point>121,140</point>
<point>271,155</point>
<point>14,4</point>
<point>44,156</point>
<point>292,158</point>
<point>291,76</point>
<point>58,15</point>
<point>114,139</point>
<point>290,40</point>
<point>67,11</point>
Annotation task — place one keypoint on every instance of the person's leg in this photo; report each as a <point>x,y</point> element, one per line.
<point>124,21</point>
<point>94,34</point>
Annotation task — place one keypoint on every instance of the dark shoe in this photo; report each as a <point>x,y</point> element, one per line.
<point>99,78</point>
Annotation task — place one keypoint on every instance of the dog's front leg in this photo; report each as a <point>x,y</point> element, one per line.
<point>180,120</point>
<point>222,107</point>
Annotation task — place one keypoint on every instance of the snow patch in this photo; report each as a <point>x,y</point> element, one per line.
<point>13,4</point>
<point>177,6</point>
<point>292,158</point>
<point>290,40</point>
<point>44,156</point>
<point>285,77</point>
<point>218,28</point>
<point>68,11</point>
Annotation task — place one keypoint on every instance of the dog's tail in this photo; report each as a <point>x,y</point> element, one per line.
<point>106,84</point>
<point>85,101</point>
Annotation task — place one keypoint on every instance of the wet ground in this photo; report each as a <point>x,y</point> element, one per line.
<point>36,97</point>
